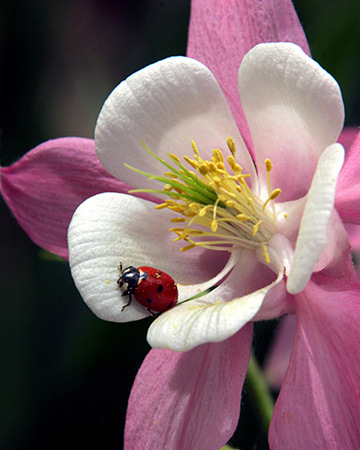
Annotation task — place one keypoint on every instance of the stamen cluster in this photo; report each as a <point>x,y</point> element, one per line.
<point>216,204</point>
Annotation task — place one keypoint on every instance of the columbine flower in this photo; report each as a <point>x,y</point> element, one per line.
<point>192,399</point>
<point>276,220</point>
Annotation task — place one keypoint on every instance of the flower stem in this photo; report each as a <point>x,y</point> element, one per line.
<point>260,392</point>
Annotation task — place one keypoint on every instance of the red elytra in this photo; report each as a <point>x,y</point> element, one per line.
<point>156,290</point>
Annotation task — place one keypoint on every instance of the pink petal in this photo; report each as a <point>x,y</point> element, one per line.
<point>188,400</point>
<point>354,236</point>
<point>348,136</point>
<point>277,360</point>
<point>46,185</point>
<point>335,262</point>
<point>319,404</point>
<point>347,200</point>
<point>222,32</point>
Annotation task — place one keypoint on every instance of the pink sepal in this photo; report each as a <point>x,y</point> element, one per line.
<point>188,400</point>
<point>319,405</point>
<point>222,31</point>
<point>347,200</point>
<point>46,185</point>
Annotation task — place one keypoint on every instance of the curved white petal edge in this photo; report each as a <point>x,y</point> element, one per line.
<point>197,322</point>
<point>165,105</point>
<point>312,236</point>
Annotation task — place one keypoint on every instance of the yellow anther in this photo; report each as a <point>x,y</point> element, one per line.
<point>268,164</point>
<point>174,208</point>
<point>177,230</point>
<point>217,179</point>
<point>175,157</point>
<point>242,217</point>
<point>176,219</point>
<point>265,253</point>
<point>196,151</point>
<point>167,187</point>
<point>212,166</point>
<point>286,215</point>
<point>195,206</point>
<point>230,203</point>
<point>195,232</point>
<point>256,227</point>
<point>188,247</point>
<point>204,210</point>
<point>192,162</point>
<point>231,144</point>
<point>161,206</point>
<point>227,193</point>
<point>275,193</point>
<point>214,226</point>
<point>232,162</point>
<point>218,156</point>
<point>203,168</point>
<point>170,175</point>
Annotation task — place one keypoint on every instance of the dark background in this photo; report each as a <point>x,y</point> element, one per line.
<point>65,375</point>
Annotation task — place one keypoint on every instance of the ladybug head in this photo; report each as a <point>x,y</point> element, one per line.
<point>131,277</point>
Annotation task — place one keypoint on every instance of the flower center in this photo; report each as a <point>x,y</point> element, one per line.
<point>218,209</point>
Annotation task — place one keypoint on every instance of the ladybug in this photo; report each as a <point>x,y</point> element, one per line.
<point>153,289</point>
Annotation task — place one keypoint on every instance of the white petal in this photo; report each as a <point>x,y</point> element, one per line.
<point>212,318</point>
<point>313,228</point>
<point>166,105</point>
<point>112,227</point>
<point>294,110</point>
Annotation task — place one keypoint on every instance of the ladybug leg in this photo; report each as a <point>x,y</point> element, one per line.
<point>129,302</point>
<point>154,315</point>
<point>120,281</point>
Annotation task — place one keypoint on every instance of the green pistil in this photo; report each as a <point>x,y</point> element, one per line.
<point>193,188</point>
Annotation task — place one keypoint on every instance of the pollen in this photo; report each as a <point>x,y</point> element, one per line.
<point>215,202</point>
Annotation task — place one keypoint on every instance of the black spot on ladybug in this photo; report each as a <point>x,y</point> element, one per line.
<point>160,288</point>
<point>148,300</point>
<point>170,305</point>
